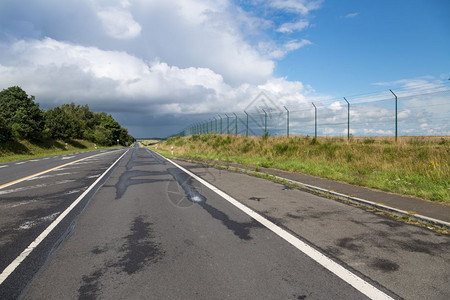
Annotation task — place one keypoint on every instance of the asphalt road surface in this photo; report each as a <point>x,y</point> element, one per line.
<point>140,227</point>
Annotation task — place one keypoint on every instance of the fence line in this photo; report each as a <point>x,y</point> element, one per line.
<point>404,112</point>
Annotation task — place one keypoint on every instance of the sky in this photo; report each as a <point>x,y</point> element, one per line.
<point>158,66</point>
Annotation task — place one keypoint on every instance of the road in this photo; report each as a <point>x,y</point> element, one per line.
<point>34,193</point>
<point>150,229</point>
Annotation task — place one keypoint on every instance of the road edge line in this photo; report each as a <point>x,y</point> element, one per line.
<point>22,256</point>
<point>349,277</point>
<point>342,197</point>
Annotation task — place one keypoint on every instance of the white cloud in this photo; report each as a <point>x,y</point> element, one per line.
<point>292,27</point>
<point>303,7</point>
<point>335,106</point>
<point>58,72</point>
<point>119,23</point>
<point>274,51</point>
<point>351,15</point>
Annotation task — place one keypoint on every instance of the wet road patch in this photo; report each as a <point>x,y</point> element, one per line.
<point>140,247</point>
<point>91,285</point>
<point>384,265</point>
<point>241,230</point>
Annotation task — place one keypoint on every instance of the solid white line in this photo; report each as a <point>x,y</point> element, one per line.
<point>352,279</point>
<point>4,166</point>
<point>12,266</point>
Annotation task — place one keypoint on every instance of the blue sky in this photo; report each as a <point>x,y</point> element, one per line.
<point>159,65</point>
<point>358,43</point>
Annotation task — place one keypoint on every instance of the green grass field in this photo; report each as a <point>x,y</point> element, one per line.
<point>19,150</point>
<point>417,166</point>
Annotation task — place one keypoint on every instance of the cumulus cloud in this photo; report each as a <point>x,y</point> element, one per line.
<point>117,81</point>
<point>119,23</point>
<point>158,65</point>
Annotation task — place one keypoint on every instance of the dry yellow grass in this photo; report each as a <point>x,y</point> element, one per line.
<point>416,166</point>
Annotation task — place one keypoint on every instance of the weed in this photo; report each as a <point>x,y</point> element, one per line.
<point>420,164</point>
<point>369,141</point>
<point>314,141</point>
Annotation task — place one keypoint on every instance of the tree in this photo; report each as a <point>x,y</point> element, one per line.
<point>22,115</point>
<point>61,124</point>
<point>5,131</point>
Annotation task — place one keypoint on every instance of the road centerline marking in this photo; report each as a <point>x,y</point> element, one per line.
<point>49,170</point>
<point>349,277</point>
<point>16,262</point>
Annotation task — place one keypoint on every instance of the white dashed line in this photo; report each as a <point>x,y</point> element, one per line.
<point>13,265</point>
<point>49,176</point>
<point>32,187</point>
<point>67,157</point>
<point>49,170</point>
<point>31,224</point>
<point>12,205</point>
<point>76,191</point>
<point>94,176</point>
<point>25,188</point>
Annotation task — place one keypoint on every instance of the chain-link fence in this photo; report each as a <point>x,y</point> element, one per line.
<point>407,112</point>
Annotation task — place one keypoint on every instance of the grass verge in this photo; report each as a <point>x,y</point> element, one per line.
<point>20,150</point>
<point>416,166</point>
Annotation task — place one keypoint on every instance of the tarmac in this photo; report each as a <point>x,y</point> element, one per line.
<point>419,209</point>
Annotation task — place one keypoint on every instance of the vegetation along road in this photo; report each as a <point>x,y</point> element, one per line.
<point>128,224</point>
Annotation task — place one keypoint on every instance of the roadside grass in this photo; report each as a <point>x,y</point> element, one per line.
<point>20,150</point>
<point>150,142</point>
<point>416,166</point>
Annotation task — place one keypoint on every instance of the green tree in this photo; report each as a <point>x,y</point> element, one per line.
<point>22,115</point>
<point>60,123</point>
<point>5,131</point>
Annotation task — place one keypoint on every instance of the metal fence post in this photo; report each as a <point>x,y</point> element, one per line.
<point>315,120</point>
<point>228,124</point>
<point>235,124</point>
<point>348,119</point>
<point>246,132</point>
<point>220,124</point>
<point>396,121</point>
<point>265,122</point>
<point>287,122</point>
